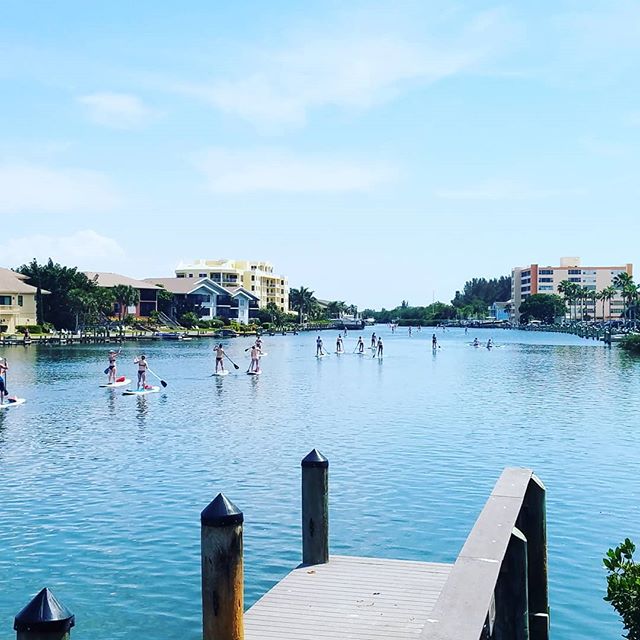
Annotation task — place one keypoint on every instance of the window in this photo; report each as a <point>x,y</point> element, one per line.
<point>546,287</point>
<point>575,279</point>
<point>180,275</point>
<point>202,275</point>
<point>20,301</point>
<point>281,300</point>
<point>575,272</point>
<point>546,279</point>
<point>5,301</point>
<point>253,288</point>
<point>191,275</point>
<point>546,272</point>
<point>253,278</point>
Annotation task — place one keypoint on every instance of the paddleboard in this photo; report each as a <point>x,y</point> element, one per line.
<point>339,353</point>
<point>254,373</point>
<point>9,403</point>
<point>140,392</point>
<point>113,385</point>
<point>324,355</point>
<point>224,372</point>
<point>263,354</point>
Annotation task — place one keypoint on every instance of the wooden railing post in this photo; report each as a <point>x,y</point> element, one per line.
<point>315,508</point>
<point>44,618</point>
<point>511,597</point>
<point>222,570</point>
<point>532,522</point>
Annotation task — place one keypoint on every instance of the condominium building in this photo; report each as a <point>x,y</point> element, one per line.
<point>17,301</point>
<point>256,277</point>
<point>526,281</point>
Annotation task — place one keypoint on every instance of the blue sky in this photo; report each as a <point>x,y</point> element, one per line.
<point>373,151</point>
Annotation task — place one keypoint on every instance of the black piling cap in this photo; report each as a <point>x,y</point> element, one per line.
<point>314,459</point>
<point>44,613</point>
<point>221,513</point>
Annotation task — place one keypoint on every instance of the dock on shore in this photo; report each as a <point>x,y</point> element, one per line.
<point>495,590</point>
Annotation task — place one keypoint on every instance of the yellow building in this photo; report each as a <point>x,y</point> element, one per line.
<point>256,277</point>
<point>17,301</point>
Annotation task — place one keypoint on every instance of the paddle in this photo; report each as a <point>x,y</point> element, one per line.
<point>162,382</point>
<point>231,361</point>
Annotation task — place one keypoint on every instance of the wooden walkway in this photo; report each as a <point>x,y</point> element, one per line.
<point>349,598</point>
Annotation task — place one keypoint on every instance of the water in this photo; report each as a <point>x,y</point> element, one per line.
<point>100,494</point>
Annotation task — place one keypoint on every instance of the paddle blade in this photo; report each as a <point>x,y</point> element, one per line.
<point>163,383</point>
<point>236,366</point>
<point>106,371</point>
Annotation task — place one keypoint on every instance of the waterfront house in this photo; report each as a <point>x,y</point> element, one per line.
<point>148,292</point>
<point>256,277</point>
<point>213,300</point>
<point>17,301</point>
<point>500,311</point>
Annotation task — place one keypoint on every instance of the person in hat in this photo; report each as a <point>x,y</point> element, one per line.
<point>111,373</point>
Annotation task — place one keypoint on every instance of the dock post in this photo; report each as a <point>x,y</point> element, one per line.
<point>44,618</point>
<point>511,594</point>
<point>222,570</point>
<point>315,508</point>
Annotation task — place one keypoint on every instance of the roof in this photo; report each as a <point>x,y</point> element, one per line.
<point>187,285</point>
<point>107,279</point>
<point>242,291</point>
<point>12,282</point>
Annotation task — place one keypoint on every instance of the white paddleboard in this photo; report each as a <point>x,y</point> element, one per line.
<point>8,403</point>
<point>254,373</point>
<point>224,372</point>
<point>263,354</point>
<point>113,385</point>
<point>140,392</point>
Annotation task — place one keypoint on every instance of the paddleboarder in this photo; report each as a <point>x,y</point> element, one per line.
<point>476,343</point>
<point>380,348</point>
<point>111,375</point>
<point>4,367</point>
<point>142,371</point>
<point>434,342</point>
<point>259,343</point>
<point>360,345</point>
<point>373,340</point>
<point>319,351</point>
<point>219,357</point>
<point>339,344</point>
<point>254,366</point>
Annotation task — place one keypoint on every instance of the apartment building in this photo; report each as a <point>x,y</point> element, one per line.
<point>256,277</point>
<point>526,281</point>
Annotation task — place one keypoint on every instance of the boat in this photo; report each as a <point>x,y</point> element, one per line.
<point>225,333</point>
<point>168,335</point>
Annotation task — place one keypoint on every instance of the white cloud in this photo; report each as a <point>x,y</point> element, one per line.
<point>505,190</point>
<point>270,169</point>
<point>351,70</point>
<point>85,249</point>
<point>29,188</point>
<point>117,110</point>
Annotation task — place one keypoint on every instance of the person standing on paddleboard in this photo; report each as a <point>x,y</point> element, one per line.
<point>434,341</point>
<point>4,367</point>
<point>219,357</point>
<point>259,343</point>
<point>380,348</point>
<point>142,371</point>
<point>339,344</point>
<point>360,345</point>
<point>112,366</point>
<point>254,367</point>
<point>373,340</point>
<point>319,351</point>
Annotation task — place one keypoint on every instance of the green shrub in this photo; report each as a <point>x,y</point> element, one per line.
<point>631,343</point>
<point>623,586</point>
<point>210,324</point>
<point>33,328</point>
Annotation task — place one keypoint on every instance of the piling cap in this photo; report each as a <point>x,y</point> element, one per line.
<point>314,459</point>
<point>44,613</point>
<point>221,512</point>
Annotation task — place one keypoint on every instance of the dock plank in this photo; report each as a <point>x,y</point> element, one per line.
<point>349,598</point>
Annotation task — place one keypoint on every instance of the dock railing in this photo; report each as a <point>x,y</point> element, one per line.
<point>497,588</point>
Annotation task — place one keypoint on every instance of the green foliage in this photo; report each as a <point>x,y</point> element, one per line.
<point>480,293</point>
<point>405,315</point>
<point>302,300</point>
<point>631,343</point>
<point>33,328</point>
<point>189,319</point>
<point>126,296</point>
<point>623,586</point>
<point>215,323</point>
<point>544,307</point>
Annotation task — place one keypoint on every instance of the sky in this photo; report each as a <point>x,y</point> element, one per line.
<point>372,151</point>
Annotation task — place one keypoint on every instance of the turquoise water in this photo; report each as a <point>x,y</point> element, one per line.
<point>101,494</point>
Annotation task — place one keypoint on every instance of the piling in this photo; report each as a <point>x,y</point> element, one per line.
<point>315,509</point>
<point>222,570</point>
<point>44,618</point>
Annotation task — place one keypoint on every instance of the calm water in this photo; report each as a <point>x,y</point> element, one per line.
<point>101,494</point>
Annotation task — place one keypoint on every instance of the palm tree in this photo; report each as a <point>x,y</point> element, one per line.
<point>607,294</point>
<point>566,289</point>
<point>624,283</point>
<point>125,296</point>
<point>302,301</point>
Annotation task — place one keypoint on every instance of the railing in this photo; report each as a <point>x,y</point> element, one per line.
<point>497,588</point>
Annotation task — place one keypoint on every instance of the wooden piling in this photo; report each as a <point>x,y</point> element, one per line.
<point>222,570</point>
<point>44,618</point>
<point>315,508</point>
<point>511,597</point>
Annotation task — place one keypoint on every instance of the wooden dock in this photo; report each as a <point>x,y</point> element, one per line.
<point>349,597</point>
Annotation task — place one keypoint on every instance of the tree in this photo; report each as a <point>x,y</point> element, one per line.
<point>607,294</point>
<point>189,319</point>
<point>624,283</point>
<point>623,586</point>
<point>165,300</point>
<point>126,296</point>
<point>275,315</point>
<point>57,307</point>
<point>481,293</point>
<point>544,307</point>
<point>302,301</point>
